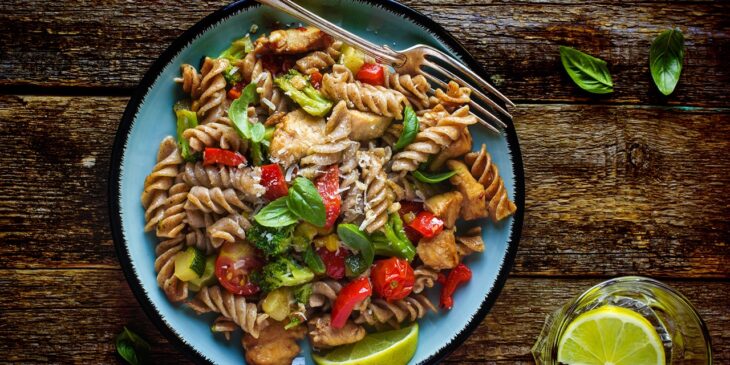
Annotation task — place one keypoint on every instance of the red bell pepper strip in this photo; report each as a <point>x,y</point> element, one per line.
<point>334,262</point>
<point>427,224</point>
<point>272,178</point>
<point>392,278</point>
<point>225,157</point>
<point>371,73</point>
<point>407,206</point>
<point>328,186</point>
<point>351,294</point>
<point>459,275</point>
<point>235,92</point>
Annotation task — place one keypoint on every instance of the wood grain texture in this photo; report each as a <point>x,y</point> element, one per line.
<point>80,311</point>
<point>637,177</point>
<point>113,44</point>
<point>614,187</point>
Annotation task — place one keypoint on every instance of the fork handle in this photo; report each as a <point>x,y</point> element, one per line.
<point>380,53</point>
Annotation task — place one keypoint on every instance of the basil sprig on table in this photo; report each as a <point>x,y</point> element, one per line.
<point>429,178</point>
<point>589,73</point>
<point>254,132</point>
<point>303,202</point>
<point>132,348</point>
<point>410,129</point>
<point>665,59</point>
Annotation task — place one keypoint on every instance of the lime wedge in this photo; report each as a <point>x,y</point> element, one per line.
<point>610,335</point>
<point>391,347</point>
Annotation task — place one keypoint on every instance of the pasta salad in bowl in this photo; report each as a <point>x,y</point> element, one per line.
<point>301,197</point>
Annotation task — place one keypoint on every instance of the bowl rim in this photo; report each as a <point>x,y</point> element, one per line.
<point>125,124</point>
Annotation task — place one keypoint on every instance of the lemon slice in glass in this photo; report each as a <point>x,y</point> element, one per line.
<point>392,347</point>
<point>610,335</point>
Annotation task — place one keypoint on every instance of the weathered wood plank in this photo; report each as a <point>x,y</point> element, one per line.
<point>79,322</point>
<point>111,45</point>
<point>610,189</point>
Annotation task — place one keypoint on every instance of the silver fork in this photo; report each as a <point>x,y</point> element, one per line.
<point>410,61</point>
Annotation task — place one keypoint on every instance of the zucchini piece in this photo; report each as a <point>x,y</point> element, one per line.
<point>208,277</point>
<point>189,264</point>
<point>352,58</point>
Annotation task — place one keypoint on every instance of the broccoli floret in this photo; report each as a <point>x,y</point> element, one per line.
<point>299,89</point>
<point>238,49</point>
<point>232,77</point>
<point>272,241</point>
<point>393,240</point>
<point>282,272</point>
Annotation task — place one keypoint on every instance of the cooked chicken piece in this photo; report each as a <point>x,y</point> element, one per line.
<point>460,147</point>
<point>471,241</point>
<point>474,205</point>
<point>439,252</point>
<point>294,135</point>
<point>293,41</point>
<point>275,345</point>
<point>445,206</point>
<point>367,126</point>
<point>322,335</point>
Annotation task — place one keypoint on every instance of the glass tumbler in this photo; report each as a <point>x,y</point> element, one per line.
<point>683,333</point>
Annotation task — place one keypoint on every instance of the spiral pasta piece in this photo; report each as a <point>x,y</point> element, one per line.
<point>218,134</point>
<point>175,289</point>
<point>378,195</point>
<point>425,278</point>
<point>174,218</point>
<point>190,81</point>
<point>228,229</point>
<point>196,237</point>
<point>414,88</point>
<point>470,242</point>
<point>377,99</point>
<point>431,140</point>
<point>246,315</point>
<point>453,97</point>
<point>252,69</point>
<point>215,200</point>
<point>324,293</point>
<point>159,181</point>
<point>319,60</point>
<point>391,135</point>
<point>210,103</point>
<point>336,143</point>
<point>380,313</point>
<point>353,190</point>
<point>246,180</point>
<point>498,203</point>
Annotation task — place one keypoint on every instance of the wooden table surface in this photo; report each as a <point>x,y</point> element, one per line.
<point>624,184</point>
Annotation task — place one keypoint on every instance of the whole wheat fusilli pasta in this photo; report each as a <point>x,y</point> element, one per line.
<point>486,172</point>
<point>159,181</point>
<point>212,90</point>
<point>175,289</point>
<point>215,134</point>
<point>228,229</point>
<point>245,314</point>
<point>215,200</point>
<point>380,313</point>
<point>365,97</point>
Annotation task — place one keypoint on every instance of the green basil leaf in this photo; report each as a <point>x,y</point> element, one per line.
<point>306,203</point>
<point>355,239</point>
<point>276,214</point>
<point>257,153</point>
<point>410,129</point>
<point>589,73</point>
<point>131,347</point>
<point>238,111</point>
<point>355,265</point>
<point>433,178</point>
<point>665,60</point>
<point>257,132</point>
<point>313,261</point>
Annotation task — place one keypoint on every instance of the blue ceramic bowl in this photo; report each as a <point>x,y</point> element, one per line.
<point>149,118</point>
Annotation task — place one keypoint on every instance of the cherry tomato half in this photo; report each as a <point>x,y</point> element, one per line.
<point>427,224</point>
<point>392,278</point>
<point>234,264</point>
